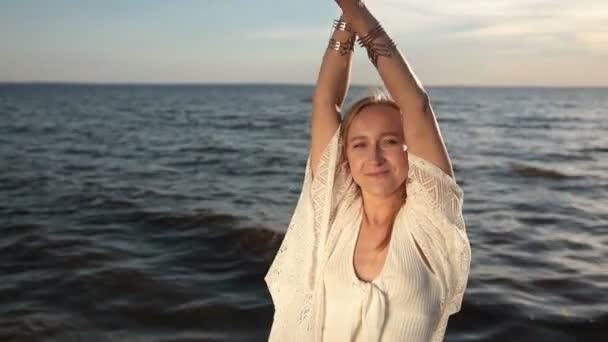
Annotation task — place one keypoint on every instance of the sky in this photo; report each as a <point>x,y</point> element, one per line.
<point>446,42</point>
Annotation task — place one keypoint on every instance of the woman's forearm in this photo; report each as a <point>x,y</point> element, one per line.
<point>334,74</point>
<point>398,77</point>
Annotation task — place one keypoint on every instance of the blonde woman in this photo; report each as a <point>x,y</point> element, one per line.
<point>376,249</point>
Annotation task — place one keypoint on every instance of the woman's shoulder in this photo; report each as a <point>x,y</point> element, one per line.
<point>424,171</point>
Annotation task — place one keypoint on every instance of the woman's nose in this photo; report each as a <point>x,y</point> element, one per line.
<point>377,154</point>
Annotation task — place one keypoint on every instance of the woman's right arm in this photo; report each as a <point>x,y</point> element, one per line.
<point>330,91</point>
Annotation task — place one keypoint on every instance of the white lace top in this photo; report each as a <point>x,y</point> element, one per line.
<point>328,211</point>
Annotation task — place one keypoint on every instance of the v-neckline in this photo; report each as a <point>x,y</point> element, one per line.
<point>353,249</point>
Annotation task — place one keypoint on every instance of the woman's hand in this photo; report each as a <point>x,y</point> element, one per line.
<point>351,9</point>
<point>348,4</point>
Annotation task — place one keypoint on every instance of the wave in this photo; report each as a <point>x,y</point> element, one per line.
<point>594,149</point>
<point>537,171</point>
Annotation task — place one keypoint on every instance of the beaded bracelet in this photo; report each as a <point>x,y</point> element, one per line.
<point>376,49</point>
<point>342,25</point>
<point>342,47</point>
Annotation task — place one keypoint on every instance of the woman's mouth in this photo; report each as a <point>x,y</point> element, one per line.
<point>377,174</point>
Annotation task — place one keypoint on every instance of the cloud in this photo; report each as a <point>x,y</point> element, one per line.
<point>558,21</point>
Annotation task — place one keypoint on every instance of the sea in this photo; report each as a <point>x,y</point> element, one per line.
<point>134,212</point>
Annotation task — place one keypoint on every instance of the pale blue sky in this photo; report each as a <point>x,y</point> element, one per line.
<point>447,42</point>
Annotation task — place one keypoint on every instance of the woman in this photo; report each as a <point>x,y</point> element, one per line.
<point>376,249</point>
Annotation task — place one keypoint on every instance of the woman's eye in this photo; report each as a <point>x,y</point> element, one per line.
<point>391,142</point>
<point>358,145</point>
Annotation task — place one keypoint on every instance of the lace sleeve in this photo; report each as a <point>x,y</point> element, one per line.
<point>331,182</point>
<point>292,278</point>
<point>436,189</point>
<point>438,199</point>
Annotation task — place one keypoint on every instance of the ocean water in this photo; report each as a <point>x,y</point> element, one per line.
<point>151,213</point>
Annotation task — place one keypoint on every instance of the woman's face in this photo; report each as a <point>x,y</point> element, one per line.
<point>376,150</point>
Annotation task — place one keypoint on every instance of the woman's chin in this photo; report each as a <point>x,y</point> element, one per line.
<point>378,190</point>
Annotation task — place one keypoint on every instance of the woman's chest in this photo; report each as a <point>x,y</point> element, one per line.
<point>403,276</point>
<point>407,281</point>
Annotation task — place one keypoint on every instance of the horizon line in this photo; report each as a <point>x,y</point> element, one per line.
<point>295,84</point>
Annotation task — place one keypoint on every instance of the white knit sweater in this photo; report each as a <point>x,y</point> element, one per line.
<point>328,210</point>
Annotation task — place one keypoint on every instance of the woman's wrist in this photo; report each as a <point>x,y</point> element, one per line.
<point>360,18</point>
<point>344,26</point>
<point>353,11</point>
<point>343,38</point>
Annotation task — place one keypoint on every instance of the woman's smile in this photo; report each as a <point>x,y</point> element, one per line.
<point>378,174</point>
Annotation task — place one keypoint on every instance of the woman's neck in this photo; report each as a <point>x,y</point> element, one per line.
<point>381,211</point>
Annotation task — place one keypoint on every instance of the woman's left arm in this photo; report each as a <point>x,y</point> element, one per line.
<point>420,127</point>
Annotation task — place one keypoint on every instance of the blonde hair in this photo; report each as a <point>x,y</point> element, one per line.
<point>378,96</point>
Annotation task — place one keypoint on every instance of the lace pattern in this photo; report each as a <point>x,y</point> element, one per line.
<point>292,279</point>
<point>437,202</point>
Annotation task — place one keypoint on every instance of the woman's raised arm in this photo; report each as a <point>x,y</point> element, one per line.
<point>330,91</point>
<point>421,130</point>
